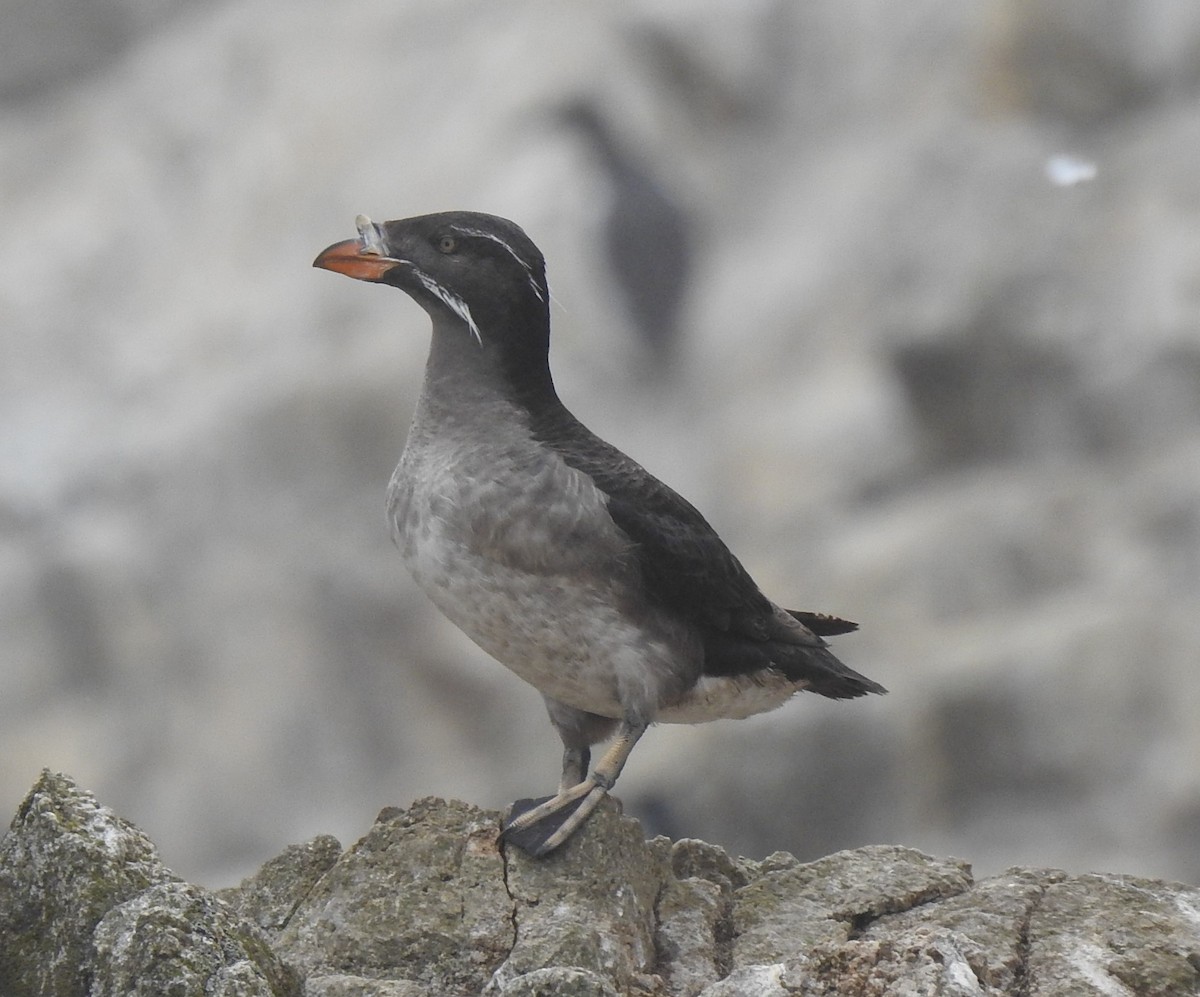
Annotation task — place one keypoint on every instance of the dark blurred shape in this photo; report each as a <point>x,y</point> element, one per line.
<point>986,392</point>
<point>1086,64</point>
<point>994,752</point>
<point>826,784</point>
<point>647,236</point>
<point>68,599</point>
<point>1183,833</point>
<point>992,392</point>
<point>723,93</point>
<point>692,81</point>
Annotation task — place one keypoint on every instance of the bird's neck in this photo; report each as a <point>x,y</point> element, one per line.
<point>462,373</point>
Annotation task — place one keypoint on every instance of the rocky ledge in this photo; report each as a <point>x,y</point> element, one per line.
<point>429,903</point>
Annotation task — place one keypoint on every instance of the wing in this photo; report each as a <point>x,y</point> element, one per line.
<point>687,569</point>
<point>685,564</point>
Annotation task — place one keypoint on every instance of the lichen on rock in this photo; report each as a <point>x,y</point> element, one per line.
<point>430,903</point>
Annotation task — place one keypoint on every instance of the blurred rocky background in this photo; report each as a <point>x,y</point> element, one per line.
<point>935,366</point>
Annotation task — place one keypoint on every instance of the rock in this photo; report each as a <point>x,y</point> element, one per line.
<point>87,908</point>
<point>692,858</point>
<point>693,933</point>
<point>560,981</point>
<point>992,917</point>
<point>590,905</point>
<point>422,897</point>
<point>271,896</point>
<point>176,938</point>
<point>340,985</point>
<point>429,904</point>
<point>750,981</point>
<point>1138,936</point>
<point>64,863</point>
<point>792,907</point>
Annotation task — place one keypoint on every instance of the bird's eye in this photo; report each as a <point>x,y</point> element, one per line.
<point>447,244</point>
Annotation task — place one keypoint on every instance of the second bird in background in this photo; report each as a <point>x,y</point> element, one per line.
<point>648,236</point>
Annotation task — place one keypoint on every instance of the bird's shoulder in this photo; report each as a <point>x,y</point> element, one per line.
<point>685,565</point>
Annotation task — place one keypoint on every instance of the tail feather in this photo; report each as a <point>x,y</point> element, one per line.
<point>823,624</point>
<point>834,680</point>
<point>794,646</point>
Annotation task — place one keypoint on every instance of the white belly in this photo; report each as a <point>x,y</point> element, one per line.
<point>730,698</point>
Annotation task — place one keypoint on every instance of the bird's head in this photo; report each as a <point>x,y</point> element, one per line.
<point>464,268</point>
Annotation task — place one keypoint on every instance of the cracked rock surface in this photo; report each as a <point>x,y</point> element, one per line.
<point>429,904</point>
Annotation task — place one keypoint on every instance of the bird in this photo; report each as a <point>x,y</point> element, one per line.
<point>557,554</point>
<point>648,237</point>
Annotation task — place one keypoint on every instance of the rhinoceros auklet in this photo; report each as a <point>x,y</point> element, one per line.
<point>551,549</point>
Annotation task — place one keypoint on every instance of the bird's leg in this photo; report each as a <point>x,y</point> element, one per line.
<point>575,762</point>
<point>541,826</point>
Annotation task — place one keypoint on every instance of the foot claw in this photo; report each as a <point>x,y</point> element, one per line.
<point>536,838</point>
<point>540,826</point>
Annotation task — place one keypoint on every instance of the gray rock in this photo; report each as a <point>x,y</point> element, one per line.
<point>421,897</point>
<point>560,981</point>
<point>750,981</point>
<point>589,906</point>
<point>271,895</point>
<point>1128,935</point>
<point>992,917</point>
<point>429,904</point>
<point>693,934</point>
<point>936,964</point>
<point>176,938</point>
<point>793,907</point>
<point>65,862</point>
<point>87,908</point>
<point>692,858</point>
<point>341,985</point>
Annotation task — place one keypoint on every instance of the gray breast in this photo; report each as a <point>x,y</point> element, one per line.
<point>519,551</point>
